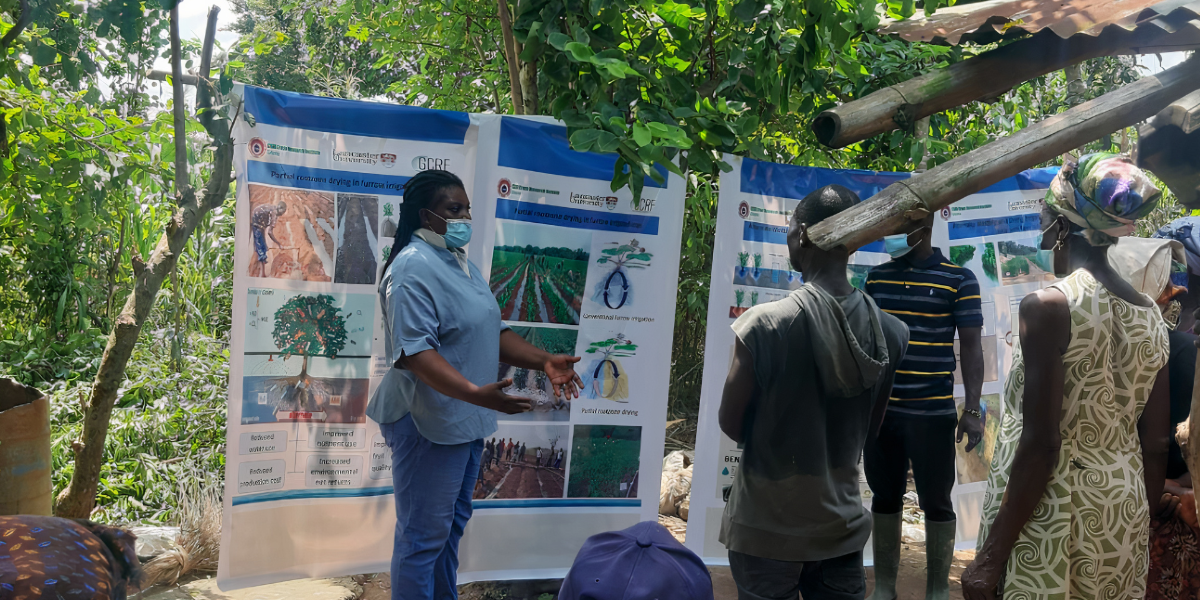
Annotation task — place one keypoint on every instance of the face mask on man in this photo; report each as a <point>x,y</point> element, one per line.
<point>898,245</point>
<point>458,232</point>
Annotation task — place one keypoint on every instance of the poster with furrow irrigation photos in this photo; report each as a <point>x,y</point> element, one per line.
<point>575,268</point>
<point>994,233</point>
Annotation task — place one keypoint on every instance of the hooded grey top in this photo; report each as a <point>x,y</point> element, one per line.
<point>820,363</point>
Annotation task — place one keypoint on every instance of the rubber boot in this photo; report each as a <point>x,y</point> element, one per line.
<point>885,542</point>
<point>939,554</point>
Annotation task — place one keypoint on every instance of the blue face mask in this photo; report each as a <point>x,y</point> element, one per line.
<point>897,245</point>
<point>458,233</point>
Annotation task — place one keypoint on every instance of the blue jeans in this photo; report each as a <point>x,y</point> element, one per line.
<point>433,486</point>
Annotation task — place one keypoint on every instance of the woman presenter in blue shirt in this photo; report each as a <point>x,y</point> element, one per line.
<point>435,407</point>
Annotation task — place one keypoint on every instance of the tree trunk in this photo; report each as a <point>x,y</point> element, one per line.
<point>79,498</point>
<point>529,88</point>
<point>511,56</point>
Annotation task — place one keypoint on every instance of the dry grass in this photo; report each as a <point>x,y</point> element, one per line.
<point>199,542</point>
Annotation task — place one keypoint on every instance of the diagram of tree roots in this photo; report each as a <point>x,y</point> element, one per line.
<point>613,289</point>
<point>308,326</point>
<point>604,376</point>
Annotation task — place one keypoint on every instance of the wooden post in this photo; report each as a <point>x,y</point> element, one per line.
<point>891,210</point>
<point>986,76</point>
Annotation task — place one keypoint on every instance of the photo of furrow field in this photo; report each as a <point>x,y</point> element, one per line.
<point>538,272</point>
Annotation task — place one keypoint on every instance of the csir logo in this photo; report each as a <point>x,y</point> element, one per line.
<point>744,209</point>
<point>945,213</point>
<point>505,188</point>
<point>257,147</point>
<point>425,163</point>
<point>388,160</point>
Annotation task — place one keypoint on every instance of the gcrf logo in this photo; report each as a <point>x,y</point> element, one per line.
<point>504,188</point>
<point>645,205</point>
<point>388,160</point>
<point>425,163</point>
<point>257,147</point>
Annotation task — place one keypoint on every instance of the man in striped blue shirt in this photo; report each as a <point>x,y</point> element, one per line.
<point>934,297</point>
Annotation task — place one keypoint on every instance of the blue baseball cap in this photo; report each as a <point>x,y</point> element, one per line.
<point>644,562</point>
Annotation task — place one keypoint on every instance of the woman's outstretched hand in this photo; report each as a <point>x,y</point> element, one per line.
<point>561,370</point>
<point>492,396</point>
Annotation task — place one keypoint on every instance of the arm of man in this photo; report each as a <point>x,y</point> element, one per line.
<point>1045,333</point>
<point>1154,431</point>
<point>516,351</point>
<point>740,388</point>
<point>971,351</point>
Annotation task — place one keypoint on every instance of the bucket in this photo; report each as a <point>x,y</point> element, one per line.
<point>24,450</point>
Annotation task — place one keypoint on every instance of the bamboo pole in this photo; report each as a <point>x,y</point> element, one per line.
<point>985,76</point>
<point>891,210</point>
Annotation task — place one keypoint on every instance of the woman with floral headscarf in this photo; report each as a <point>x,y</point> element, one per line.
<point>1086,412</point>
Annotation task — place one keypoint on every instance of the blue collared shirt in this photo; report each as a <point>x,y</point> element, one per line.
<point>431,302</point>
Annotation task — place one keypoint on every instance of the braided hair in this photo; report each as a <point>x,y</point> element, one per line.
<point>420,192</point>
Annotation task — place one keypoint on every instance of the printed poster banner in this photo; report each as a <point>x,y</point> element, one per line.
<point>995,233</point>
<point>575,267</point>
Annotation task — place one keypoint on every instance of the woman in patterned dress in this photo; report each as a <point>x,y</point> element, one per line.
<point>1086,410</point>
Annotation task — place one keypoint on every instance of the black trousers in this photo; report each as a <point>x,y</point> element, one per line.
<point>927,441</point>
<point>840,578</point>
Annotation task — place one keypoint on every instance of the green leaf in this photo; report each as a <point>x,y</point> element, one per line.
<point>746,10</point>
<point>585,139</point>
<point>607,142</point>
<point>641,134</point>
<point>580,52</point>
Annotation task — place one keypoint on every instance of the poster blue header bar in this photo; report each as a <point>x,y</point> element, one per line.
<point>324,180</point>
<point>352,117</point>
<point>791,181</point>
<point>576,218</point>
<point>761,232</point>
<point>995,226</point>
<point>544,148</point>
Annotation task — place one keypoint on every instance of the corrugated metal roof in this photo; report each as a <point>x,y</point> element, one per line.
<point>992,21</point>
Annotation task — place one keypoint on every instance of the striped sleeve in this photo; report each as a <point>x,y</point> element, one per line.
<point>968,305</point>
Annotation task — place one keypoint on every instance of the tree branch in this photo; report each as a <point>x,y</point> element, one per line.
<point>510,51</point>
<point>18,27</point>
<point>177,108</point>
<point>22,22</point>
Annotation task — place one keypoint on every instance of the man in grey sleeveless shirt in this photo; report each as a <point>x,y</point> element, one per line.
<point>810,380</point>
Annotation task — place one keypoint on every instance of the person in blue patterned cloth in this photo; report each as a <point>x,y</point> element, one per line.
<point>935,298</point>
<point>50,557</point>
<point>1081,457</point>
<point>444,336</point>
